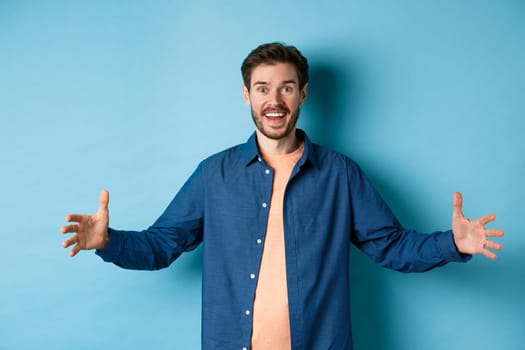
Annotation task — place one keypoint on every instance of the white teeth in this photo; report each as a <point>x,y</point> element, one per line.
<point>274,115</point>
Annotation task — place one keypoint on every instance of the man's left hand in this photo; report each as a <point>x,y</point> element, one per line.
<point>471,236</point>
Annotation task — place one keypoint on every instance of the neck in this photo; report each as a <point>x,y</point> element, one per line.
<point>284,145</point>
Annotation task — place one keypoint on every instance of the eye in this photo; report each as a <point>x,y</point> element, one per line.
<point>286,89</point>
<point>261,89</point>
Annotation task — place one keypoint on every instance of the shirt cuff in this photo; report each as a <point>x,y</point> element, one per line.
<point>448,248</point>
<point>113,247</point>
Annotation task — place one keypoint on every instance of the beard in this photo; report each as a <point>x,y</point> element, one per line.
<point>281,132</point>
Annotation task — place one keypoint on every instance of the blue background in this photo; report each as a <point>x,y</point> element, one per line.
<point>428,96</point>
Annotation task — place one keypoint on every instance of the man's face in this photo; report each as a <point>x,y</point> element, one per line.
<point>275,99</point>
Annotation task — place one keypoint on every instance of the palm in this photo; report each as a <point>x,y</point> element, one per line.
<point>470,236</point>
<point>90,230</point>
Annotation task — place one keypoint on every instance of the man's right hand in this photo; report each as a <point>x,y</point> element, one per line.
<point>90,231</point>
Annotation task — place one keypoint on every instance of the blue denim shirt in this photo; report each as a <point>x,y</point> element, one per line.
<point>328,203</point>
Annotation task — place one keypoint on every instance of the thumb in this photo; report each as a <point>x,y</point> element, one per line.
<point>104,199</point>
<point>458,204</point>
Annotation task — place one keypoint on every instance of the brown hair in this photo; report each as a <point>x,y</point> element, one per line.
<point>272,53</point>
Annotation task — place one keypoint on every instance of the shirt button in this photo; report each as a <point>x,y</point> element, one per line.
<point>244,348</point>
<point>259,159</point>
<point>259,241</point>
<point>267,171</point>
<point>252,276</point>
<point>264,205</point>
<point>247,312</point>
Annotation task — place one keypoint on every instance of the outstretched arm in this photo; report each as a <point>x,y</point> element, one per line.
<point>471,236</point>
<point>90,231</point>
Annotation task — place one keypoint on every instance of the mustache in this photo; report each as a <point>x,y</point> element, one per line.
<point>276,109</point>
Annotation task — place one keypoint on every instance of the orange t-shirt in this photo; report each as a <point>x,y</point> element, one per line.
<point>271,322</point>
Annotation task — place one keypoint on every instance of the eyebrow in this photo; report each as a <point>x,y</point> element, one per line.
<point>262,82</point>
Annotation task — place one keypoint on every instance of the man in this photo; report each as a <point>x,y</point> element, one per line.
<point>275,216</point>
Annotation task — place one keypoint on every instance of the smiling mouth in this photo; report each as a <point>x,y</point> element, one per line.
<point>275,114</point>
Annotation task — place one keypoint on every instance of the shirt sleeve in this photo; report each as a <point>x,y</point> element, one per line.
<point>179,229</point>
<point>377,232</point>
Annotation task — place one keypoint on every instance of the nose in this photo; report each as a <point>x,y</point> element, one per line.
<point>275,97</point>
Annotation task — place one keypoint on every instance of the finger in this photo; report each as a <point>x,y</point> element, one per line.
<point>492,245</point>
<point>69,228</point>
<point>104,199</point>
<point>489,254</point>
<point>74,218</point>
<point>494,232</point>
<point>74,251</point>
<point>458,204</point>
<point>70,241</point>
<point>486,219</point>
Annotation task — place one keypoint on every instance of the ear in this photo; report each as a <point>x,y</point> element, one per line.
<point>246,95</point>
<point>304,93</point>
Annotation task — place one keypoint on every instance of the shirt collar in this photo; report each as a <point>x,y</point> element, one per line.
<point>250,151</point>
